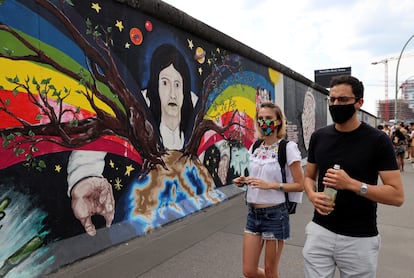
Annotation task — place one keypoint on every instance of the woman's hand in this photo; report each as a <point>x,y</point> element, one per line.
<point>240,181</point>
<point>259,183</point>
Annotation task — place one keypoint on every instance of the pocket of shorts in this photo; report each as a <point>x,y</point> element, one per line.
<point>274,216</point>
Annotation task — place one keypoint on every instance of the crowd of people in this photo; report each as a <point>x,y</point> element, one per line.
<point>402,137</point>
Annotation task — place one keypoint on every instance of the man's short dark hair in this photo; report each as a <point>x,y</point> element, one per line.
<point>357,86</point>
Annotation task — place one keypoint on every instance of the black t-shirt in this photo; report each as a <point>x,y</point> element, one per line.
<point>362,153</point>
<point>400,136</point>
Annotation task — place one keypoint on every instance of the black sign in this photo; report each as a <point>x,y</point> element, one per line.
<point>323,77</point>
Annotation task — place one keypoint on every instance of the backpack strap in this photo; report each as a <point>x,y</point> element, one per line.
<point>281,157</point>
<point>256,144</point>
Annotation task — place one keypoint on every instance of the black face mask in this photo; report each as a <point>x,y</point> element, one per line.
<point>342,113</point>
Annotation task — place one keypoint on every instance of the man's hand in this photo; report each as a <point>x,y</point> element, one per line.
<point>337,178</point>
<point>93,196</point>
<point>322,203</point>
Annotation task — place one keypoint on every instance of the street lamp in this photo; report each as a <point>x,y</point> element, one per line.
<point>385,62</point>
<point>396,79</point>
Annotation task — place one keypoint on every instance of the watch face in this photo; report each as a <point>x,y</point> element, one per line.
<point>364,189</point>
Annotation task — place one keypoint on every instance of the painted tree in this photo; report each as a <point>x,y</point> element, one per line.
<point>129,121</point>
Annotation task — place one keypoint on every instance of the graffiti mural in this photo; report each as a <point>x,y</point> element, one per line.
<point>113,123</point>
<point>305,110</point>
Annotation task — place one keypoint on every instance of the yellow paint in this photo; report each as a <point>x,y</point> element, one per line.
<point>23,69</point>
<point>274,76</point>
<point>128,170</point>
<point>239,103</point>
<point>119,24</point>
<point>58,168</point>
<point>96,7</point>
<point>235,97</point>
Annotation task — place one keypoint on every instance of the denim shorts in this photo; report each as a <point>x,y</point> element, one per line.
<point>271,223</point>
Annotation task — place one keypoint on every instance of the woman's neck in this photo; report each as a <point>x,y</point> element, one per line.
<point>270,140</point>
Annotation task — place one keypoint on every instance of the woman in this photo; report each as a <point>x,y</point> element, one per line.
<point>268,219</point>
<point>399,141</point>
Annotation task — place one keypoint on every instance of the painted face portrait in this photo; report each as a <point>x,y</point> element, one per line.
<point>169,96</point>
<point>170,89</point>
<point>308,117</point>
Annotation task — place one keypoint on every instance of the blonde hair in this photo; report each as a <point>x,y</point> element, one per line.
<point>281,128</point>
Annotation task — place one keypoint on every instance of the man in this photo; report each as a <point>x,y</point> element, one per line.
<point>343,233</point>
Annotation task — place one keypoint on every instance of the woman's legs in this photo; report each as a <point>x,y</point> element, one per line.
<point>400,161</point>
<point>252,247</point>
<point>273,252</point>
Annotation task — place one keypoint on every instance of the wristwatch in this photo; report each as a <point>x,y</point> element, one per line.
<point>280,187</point>
<point>364,189</point>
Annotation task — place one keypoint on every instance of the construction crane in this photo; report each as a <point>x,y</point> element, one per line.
<point>385,62</point>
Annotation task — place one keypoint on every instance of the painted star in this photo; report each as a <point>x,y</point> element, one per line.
<point>118,185</point>
<point>190,43</point>
<point>128,170</point>
<point>127,45</point>
<point>96,7</point>
<point>120,25</point>
<point>112,164</point>
<point>58,168</point>
<point>209,62</point>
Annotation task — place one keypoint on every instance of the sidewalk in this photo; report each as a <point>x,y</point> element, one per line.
<point>209,244</point>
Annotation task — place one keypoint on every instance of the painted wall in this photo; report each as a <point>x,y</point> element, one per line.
<point>115,121</point>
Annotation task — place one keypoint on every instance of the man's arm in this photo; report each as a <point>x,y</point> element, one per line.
<point>391,192</point>
<point>83,164</point>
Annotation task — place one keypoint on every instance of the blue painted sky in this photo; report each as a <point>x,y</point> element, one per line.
<point>307,35</point>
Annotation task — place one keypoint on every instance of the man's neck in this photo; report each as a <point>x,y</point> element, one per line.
<point>349,125</point>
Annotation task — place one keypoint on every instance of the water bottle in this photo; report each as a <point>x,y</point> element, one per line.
<point>330,191</point>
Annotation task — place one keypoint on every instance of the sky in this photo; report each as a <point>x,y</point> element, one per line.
<point>308,35</point>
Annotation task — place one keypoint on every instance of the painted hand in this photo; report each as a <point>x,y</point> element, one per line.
<point>93,196</point>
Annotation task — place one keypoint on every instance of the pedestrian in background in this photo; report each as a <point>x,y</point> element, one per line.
<point>411,142</point>
<point>380,127</point>
<point>343,232</point>
<point>268,218</point>
<point>387,130</point>
<point>399,140</point>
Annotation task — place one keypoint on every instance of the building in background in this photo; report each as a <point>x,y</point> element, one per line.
<point>407,92</point>
<point>405,113</point>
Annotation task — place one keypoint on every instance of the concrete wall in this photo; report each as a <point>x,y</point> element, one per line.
<point>89,154</point>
